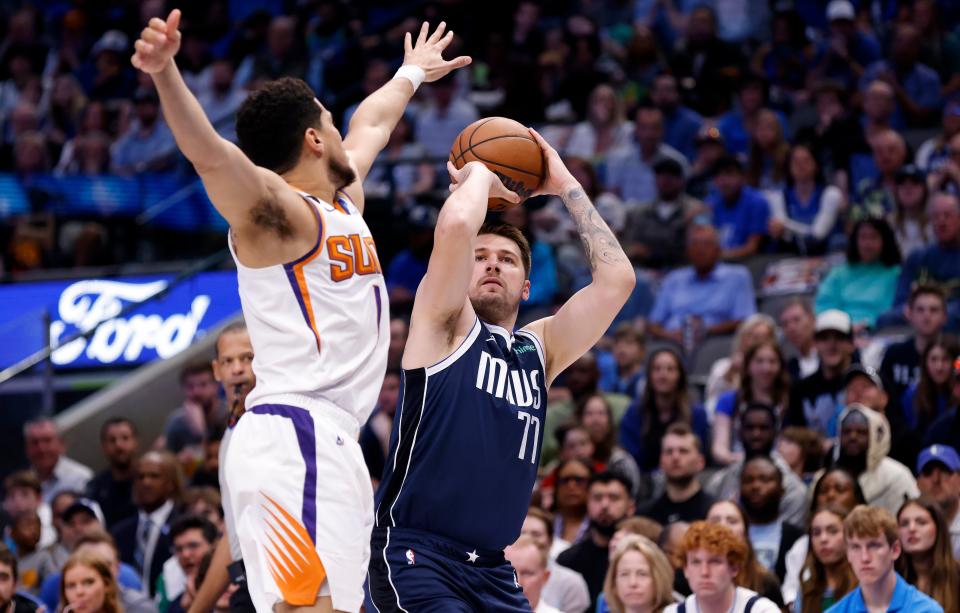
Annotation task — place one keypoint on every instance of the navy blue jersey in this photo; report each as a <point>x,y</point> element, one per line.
<point>466,441</point>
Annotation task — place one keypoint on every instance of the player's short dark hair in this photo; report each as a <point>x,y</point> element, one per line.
<point>231,328</point>
<point>513,233</point>
<point>927,289</point>
<point>609,476</point>
<point>10,559</point>
<point>116,421</point>
<point>192,521</point>
<point>272,120</point>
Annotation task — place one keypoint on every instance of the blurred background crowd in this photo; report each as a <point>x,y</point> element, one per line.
<point>784,174</point>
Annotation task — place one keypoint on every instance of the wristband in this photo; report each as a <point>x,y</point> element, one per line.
<point>412,73</point>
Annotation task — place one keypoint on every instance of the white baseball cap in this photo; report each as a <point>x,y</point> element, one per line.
<point>840,9</point>
<point>836,320</point>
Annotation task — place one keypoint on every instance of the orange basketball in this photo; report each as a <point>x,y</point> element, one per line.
<point>506,148</point>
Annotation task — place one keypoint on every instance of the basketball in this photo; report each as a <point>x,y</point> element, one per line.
<point>506,148</point>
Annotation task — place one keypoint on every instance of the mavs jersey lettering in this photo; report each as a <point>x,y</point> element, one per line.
<point>466,441</point>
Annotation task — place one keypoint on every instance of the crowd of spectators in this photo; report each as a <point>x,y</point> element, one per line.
<point>811,463</point>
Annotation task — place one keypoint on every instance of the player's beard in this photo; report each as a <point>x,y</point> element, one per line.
<point>340,172</point>
<point>493,308</point>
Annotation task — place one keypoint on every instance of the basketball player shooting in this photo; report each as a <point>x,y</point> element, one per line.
<point>467,436</point>
<point>315,304</point>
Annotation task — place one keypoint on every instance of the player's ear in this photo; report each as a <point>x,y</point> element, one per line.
<point>525,294</point>
<point>312,139</point>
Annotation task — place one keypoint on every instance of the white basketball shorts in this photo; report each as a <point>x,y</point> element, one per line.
<point>303,506</point>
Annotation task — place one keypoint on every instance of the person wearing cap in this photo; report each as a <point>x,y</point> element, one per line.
<point>84,517</point>
<point>107,76</point>
<point>909,219</point>
<point>863,286</point>
<point>863,385</point>
<point>653,236</point>
<point>630,167</point>
<point>740,213</point>
<point>710,148</point>
<point>717,296</point>
<point>848,50</point>
<point>815,401</point>
<point>938,477</point>
<point>862,450</point>
<point>916,85</point>
<point>681,125</point>
<point>148,143</point>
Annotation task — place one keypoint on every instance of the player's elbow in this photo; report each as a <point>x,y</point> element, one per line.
<point>453,224</point>
<point>620,279</point>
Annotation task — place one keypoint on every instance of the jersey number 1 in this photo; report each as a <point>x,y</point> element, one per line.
<point>535,421</point>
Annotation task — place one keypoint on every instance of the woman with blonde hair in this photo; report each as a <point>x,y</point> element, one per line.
<point>88,585</point>
<point>927,559</point>
<point>639,578</point>
<point>725,372</point>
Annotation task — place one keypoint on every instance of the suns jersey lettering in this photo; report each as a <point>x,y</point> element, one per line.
<point>319,324</point>
<point>466,441</point>
<point>350,255</point>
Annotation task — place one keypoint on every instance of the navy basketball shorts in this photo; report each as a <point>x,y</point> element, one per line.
<point>417,572</point>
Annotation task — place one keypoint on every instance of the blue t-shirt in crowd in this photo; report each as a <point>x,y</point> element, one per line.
<point>406,271</point>
<point>905,598</point>
<point>734,130</point>
<point>740,220</point>
<point>724,294</point>
<point>680,130</point>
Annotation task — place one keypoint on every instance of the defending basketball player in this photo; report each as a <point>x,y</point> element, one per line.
<point>314,300</point>
<point>467,436</point>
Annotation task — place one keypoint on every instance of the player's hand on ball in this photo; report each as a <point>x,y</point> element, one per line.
<point>427,52</point>
<point>158,43</point>
<point>497,189</point>
<point>559,180</point>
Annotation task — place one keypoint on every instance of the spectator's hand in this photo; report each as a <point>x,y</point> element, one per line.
<point>497,189</point>
<point>558,180</point>
<point>427,52</point>
<point>775,227</point>
<point>158,43</point>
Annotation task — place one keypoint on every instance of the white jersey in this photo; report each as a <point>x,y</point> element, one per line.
<point>319,325</point>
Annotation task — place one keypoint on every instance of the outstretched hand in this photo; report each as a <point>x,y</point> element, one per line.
<point>158,43</point>
<point>497,189</point>
<point>427,52</point>
<point>558,179</point>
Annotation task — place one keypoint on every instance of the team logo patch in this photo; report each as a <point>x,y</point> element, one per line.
<point>291,556</point>
<point>411,557</point>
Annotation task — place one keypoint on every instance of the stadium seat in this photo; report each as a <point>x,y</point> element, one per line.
<point>712,349</point>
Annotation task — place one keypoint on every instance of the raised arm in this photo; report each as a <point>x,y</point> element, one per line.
<point>582,320</point>
<point>234,183</point>
<point>378,114</point>
<point>442,308</point>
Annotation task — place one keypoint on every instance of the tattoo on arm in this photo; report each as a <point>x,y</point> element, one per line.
<point>599,243</point>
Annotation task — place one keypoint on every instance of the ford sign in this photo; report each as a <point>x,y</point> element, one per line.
<point>160,328</point>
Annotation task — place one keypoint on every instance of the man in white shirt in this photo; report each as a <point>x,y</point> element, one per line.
<point>713,555</point>
<point>530,566</point>
<point>45,451</point>
<point>938,476</point>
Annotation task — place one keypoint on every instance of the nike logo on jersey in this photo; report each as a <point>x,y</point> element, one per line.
<point>519,387</point>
